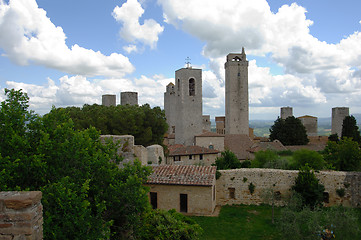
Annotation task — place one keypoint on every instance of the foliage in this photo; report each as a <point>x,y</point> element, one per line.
<point>333,137</point>
<point>289,131</point>
<point>269,159</point>
<point>246,164</point>
<point>308,187</point>
<point>160,224</point>
<point>85,194</point>
<point>147,125</point>
<point>350,129</point>
<point>228,160</point>
<point>251,188</point>
<point>340,192</point>
<point>312,158</point>
<point>308,224</point>
<point>344,155</point>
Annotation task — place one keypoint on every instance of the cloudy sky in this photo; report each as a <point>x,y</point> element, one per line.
<point>305,54</point>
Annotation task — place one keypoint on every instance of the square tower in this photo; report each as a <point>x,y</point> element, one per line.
<point>188,91</point>
<point>170,107</point>
<point>237,113</point>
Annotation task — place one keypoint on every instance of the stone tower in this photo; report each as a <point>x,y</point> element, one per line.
<point>108,100</point>
<point>130,98</point>
<point>188,91</point>
<point>286,112</point>
<point>237,113</point>
<point>338,115</point>
<point>170,107</point>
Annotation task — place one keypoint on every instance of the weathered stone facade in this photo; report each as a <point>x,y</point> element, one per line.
<point>310,123</point>
<point>233,186</point>
<point>206,123</point>
<point>188,89</point>
<point>155,155</point>
<point>130,98</point>
<point>109,100</point>
<point>286,112</point>
<point>21,215</point>
<point>170,108</point>
<point>237,110</point>
<point>338,115</point>
<point>210,140</point>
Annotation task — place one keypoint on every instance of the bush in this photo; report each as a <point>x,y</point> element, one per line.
<point>308,187</point>
<point>312,158</point>
<point>262,157</point>
<point>228,160</point>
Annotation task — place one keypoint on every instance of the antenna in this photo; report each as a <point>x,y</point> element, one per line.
<point>188,62</point>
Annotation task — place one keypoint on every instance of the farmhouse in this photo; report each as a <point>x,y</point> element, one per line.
<point>188,189</point>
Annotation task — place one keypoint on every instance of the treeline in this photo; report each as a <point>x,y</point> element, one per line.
<point>147,125</point>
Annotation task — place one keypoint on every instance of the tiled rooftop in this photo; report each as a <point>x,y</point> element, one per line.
<point>180,150</point>
<point>183,175</point>
<point>210,134</point>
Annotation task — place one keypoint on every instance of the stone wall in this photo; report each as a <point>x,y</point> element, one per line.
<point>21,215</point>
<point>156,155</point>
<point>233,186</point>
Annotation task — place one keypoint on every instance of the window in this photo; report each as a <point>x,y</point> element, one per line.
<point>214,192</point>
<point>232,194</point>
<point>154,200</point>
<point>200,156</point>
<point>192,91</point>
<point>183,202</point>
<point>178,85</point>
<point>190,156</point>
<point>211,146</point>
<point>173,129</point>
<point>326,197</point>
<point>176,158</point>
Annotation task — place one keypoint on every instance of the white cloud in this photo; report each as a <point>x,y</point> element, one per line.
<point>128,14</point>
<point>78,90</point>
<point>313,69</point>
<point>131,48</point>
<point>28,36</point>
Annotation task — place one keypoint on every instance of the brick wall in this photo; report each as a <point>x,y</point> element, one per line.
<point>21,216</point>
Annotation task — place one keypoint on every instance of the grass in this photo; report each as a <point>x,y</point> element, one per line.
<point>240,222</point>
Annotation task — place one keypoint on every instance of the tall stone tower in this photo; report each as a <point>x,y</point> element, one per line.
<point>237,113</point>
<point>286,112</point>
<point>338,115</point>
<point>170,107</point>
<point>108,100</point>
<point>188,90</point>
<point>130,98</point>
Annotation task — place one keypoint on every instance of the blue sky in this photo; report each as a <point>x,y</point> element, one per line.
<point>303,54</point>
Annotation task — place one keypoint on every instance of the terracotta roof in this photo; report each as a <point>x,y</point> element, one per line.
<point>307,116</point>
<point>179,150</point>
<point>239,144</point>
<point>262,146</point>
<point>183,175</point>
<point>210,134</point>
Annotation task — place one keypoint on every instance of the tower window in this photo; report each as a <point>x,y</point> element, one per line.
<point>178,85</point>
<point>192,91</point>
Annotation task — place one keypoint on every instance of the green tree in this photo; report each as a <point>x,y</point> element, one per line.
<point>312,158</point>
<point>344,155</point>
<point>228,160</point>
<point>350,129</point>
<point>289,131</point>
<point>308,187</point>
<point>264,157</point>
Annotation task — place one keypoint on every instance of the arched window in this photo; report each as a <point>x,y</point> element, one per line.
<point>192,91</point>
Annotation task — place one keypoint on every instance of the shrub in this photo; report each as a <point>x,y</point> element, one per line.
<point>262,157</point>
<point>309,188</point>
<point>312,158</point>
<point>251,188</point>
<point>228,160</point>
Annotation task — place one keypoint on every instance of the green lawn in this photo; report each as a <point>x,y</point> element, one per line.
<point>240,222</point>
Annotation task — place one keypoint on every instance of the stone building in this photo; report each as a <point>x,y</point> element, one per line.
<point>190,190</point>
<point>191,155</point>
<point>220,125</point>
<point>210,140</point>
<point>286,112</point>
<point>109,100</point>
<point>338,115</point>
<point>169,108</point>
<point>130,98</point>
<point>188,106</point>
<point>310,123</point>
<point>237,112</point>
<point>206,123</point>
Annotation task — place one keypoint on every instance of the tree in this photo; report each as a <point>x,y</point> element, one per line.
<point>350,129</point>
<point>309,188</point>
<point>228,160</point>
<point>290,131</point>
<point>312,158</point>
<point>344,155</point>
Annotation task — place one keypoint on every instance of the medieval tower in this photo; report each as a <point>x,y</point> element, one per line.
<point>130,98</point>
<point>237,113</point>
<point>338,115</point>
<point>109,100</point>
<point>169,107</point>
<point>188,105</point>
<point>286,112</point>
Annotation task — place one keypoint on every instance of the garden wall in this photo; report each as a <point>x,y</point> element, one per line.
<point>233,186</point>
